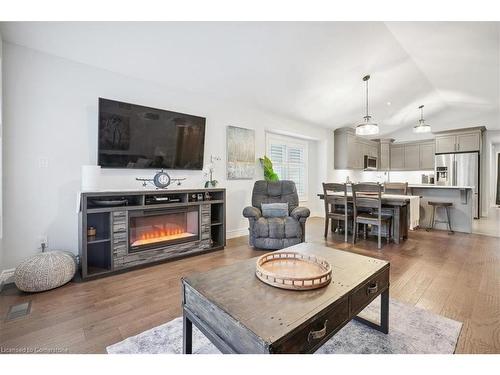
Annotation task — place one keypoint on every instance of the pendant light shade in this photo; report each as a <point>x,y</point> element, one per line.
<point>367,127</point>
<point>422,127</point>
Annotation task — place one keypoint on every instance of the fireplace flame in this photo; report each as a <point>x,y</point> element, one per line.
<point>161,235</point>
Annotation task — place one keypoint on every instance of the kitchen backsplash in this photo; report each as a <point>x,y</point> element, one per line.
<point>412,177</point>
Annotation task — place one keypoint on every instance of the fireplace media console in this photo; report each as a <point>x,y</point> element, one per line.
<point>121,230</point>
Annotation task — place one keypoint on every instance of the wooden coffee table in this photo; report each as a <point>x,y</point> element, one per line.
<point>240,314</point>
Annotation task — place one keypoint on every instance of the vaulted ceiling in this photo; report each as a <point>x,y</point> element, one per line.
<point>308,71</point>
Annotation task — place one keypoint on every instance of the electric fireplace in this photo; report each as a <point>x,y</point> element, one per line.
<point>153,229</point>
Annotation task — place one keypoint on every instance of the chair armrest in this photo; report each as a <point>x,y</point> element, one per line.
<point>251,212</point>
<point>300,213</point>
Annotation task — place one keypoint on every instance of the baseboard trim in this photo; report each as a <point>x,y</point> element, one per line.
<point>6,277</point>
<point>236,233</point>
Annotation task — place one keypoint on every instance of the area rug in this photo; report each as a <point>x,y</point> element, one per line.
<point>411,330</point>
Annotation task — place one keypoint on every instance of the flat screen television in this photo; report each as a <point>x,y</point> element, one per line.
<point>134,136</point>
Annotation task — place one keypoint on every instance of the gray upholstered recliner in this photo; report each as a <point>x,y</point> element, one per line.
<point>276,232</point>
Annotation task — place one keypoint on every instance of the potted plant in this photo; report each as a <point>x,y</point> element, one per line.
<point>209,171</point>
<point>269,173</point>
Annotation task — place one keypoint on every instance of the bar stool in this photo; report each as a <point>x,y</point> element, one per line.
<point>446,206</point>
<point>332,211</point>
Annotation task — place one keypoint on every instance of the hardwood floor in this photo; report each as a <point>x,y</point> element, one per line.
<point>456,276</point>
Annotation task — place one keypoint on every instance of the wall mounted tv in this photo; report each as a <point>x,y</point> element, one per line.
<point>133,136</point>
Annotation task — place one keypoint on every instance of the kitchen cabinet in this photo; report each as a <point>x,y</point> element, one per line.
<point>355,158</point>
<point>350,150</point>
<point>397,157</point>
<point>426,156</point>
<point>446,144</point>
<point>384,162</point>
<point>412,156</point>
<point>468,142</point>
<point>463,140</point>
<point>370,148</point>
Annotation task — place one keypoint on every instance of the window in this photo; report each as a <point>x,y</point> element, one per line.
<point>289,157</point>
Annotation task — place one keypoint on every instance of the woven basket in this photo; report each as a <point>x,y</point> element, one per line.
<point>45,271</point>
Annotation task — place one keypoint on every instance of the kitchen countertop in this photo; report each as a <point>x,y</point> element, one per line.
<point>432,186</point>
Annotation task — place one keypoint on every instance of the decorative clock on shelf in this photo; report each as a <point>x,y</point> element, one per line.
<point>161,180</point>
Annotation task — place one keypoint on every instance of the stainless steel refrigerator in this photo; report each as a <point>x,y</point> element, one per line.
<point>460,169</point>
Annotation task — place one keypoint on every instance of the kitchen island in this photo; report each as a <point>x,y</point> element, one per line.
<point>461,214</point>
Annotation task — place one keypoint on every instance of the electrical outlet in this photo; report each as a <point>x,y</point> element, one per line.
<point>43,162</point>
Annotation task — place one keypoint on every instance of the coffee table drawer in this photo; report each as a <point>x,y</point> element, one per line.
<point>316,332</point>
<point>369,290</point>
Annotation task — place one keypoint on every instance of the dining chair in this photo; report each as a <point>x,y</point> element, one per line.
<point>332,206</point>
<point>396,188</point>
<point>369,195</point>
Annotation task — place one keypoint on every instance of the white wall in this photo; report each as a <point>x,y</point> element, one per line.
<point>1,152</point>
<point>50,118</point>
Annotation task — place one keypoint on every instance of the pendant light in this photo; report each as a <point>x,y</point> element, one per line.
<point>368,127</point>
<point>422,127</point>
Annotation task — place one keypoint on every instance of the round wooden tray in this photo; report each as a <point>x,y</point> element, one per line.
<point>293,270</point>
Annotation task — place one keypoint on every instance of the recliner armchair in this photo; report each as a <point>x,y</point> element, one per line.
<point>275,233</point>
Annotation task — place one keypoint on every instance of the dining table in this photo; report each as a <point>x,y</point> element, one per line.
<point>396,205</point>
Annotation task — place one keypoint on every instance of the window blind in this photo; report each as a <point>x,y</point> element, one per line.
<point>289,157</point>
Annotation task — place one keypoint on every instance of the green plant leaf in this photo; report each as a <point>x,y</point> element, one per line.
<point>269,173</point>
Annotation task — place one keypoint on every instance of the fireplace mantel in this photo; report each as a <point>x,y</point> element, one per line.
<point>121,230</point>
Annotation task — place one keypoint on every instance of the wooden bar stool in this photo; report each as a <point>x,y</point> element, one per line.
<point>369,195</point>
<point>332,203</point>
<point>446,206</point>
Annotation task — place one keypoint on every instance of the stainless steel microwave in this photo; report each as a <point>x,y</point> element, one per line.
<point>370,163</point>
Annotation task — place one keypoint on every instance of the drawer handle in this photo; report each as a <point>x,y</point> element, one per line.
<point>315,335</point>
<point>372,289</point>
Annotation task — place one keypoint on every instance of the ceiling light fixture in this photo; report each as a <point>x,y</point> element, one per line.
<point>368,127</point>
<point>422,127</point>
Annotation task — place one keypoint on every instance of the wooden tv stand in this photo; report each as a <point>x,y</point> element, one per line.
<point>120,216</point>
